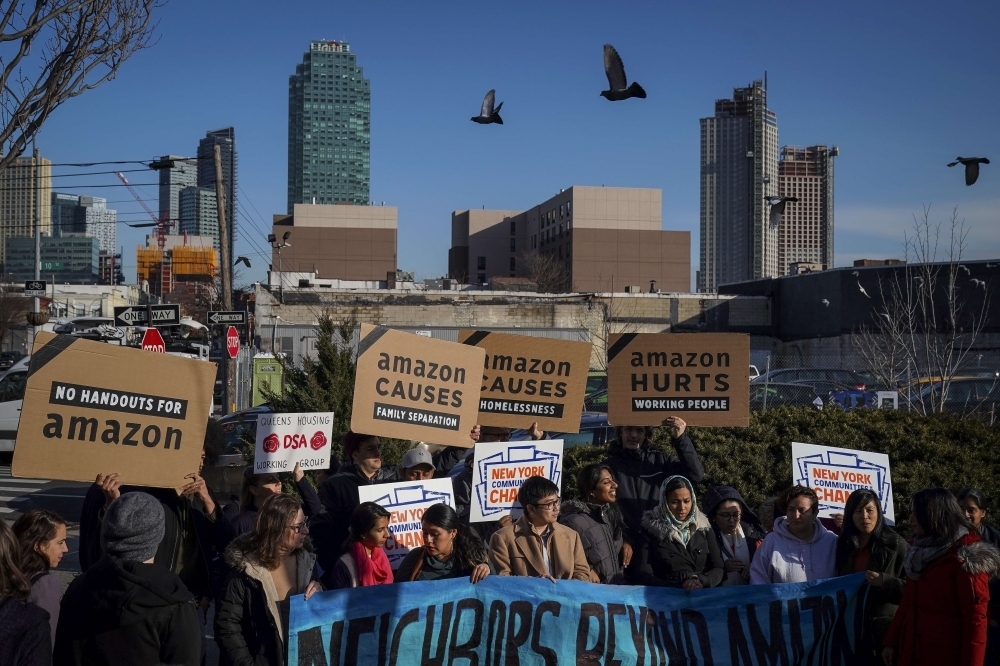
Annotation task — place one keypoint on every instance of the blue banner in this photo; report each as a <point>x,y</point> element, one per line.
<point>509,621</point>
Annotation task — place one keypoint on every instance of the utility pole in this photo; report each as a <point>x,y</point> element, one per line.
<point>38,230</point>
<point>229,368</point>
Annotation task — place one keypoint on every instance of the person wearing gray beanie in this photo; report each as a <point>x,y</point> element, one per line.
<point>133,527</point>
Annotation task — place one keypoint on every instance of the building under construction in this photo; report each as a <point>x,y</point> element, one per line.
<point>184,265</point>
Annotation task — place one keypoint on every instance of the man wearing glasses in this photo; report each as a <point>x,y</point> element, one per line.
<point>536,545</point>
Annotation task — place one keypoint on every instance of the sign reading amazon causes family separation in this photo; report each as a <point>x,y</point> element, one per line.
<point>406,502</point>
<point>411,387</point>
<point>531,379</point>
<point>835,473</point>
<point>500,469</point>
<point>703,378</point>
<point>91,408</point>
<point>286,439</point>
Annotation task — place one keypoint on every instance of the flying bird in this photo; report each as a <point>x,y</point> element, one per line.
<point>863,290</point>
<point>971,167</point>
<point>965,268</point>
<point>488,114</point>
<point>855,274</point>
<point>978,283</point>
<point>242,260</point>
<point>777,205</point>
<point>825,302</point>
<point>618,88</point>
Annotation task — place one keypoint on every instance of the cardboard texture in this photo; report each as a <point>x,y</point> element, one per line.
<point>93,408</point>
<point>412,387</point>
<point>703,378</point>
<point>529,379</point>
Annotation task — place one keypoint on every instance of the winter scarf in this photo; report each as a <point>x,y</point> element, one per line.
<point>924,551</point>
<point>374,570</point>
<point>682,528</point>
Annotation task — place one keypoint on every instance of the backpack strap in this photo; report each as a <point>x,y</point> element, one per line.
<point>352,568</point>
<point>419,566</point>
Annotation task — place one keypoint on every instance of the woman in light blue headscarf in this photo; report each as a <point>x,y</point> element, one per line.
<point>680,548</point>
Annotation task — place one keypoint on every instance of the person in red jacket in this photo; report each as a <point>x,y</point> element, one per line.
<point>942,617</point>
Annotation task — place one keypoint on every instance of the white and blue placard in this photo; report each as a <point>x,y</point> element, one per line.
<point>500,469</point>
<point>835,473</point>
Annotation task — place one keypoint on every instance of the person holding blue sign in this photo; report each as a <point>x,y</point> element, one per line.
<point>799,549</point>
<point>451,550</point>
<point>679,548</point>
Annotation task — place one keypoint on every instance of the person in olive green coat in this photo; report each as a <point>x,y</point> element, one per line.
<point>868,545</point>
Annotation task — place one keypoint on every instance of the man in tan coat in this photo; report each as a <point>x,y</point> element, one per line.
<point>536,545</point>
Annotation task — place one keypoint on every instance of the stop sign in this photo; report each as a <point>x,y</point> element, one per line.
<point>153,341</point>
<point>232,342</point>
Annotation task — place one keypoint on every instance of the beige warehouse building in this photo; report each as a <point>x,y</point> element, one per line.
<point>604,238</point>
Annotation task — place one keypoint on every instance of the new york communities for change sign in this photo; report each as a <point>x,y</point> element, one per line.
<point>406,502</point>
<point>286,439</point>
<point>835,473</point>
<point>500,469</point>
<point>412,387</point>
<point>704,378</point>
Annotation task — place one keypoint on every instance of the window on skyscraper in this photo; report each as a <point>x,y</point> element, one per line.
<point>481,263</point>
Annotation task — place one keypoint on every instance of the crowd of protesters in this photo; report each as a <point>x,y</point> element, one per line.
<point>156,561</point>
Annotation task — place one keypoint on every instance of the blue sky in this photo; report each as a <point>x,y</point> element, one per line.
<point>901,88</point>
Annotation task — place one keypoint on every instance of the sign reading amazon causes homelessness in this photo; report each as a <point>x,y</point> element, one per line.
<point>500,469</point>
<point>406,502</point>
<point>412,387</point>
<point>835,473</point>
<point>91,408</point>
<point>504,620</point>
<point>703,378</point>
<point>530,379</point>
<point>286,439</point>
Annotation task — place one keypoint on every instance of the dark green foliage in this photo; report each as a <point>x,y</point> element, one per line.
<point>936,450</point>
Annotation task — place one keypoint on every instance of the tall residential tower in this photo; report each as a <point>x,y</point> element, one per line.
<point>329,128</point>
<point>739,167</point>
<point>806,229</point>
<point>183,174</point>
<point>225,138</point>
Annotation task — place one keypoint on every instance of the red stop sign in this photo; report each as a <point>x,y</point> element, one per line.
<point>232,342</point>
<point>153,341</point>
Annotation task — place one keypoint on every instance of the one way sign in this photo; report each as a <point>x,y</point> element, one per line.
<point>227,317</point>
<point>131,315</point>
<point>165,315</point>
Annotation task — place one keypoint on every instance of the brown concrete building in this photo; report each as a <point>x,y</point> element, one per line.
<point>805,234</point>
<point>603,238</point>
<point>341,242</point>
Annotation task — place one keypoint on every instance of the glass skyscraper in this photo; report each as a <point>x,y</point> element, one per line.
<point>329,128</point>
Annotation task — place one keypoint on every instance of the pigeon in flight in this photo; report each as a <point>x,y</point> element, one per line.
<point>863,290</point>
<point>971,167</point>
<point>618,88</point>
<point>978,283</point>
<point>825,302</point>
<point>777,205</point>
<point>965,268</point>
<point>488,114</point>
<point>855,274</point>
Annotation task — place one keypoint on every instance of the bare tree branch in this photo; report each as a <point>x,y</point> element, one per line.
<point>549,273</point>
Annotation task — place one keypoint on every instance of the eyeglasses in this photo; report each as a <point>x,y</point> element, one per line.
<point>729,516</point>
<point>550,506</point>
<point>299,528</point>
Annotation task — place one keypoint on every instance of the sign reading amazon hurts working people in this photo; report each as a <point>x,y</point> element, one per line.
<point>504,620</point>
<point>531,379</point>
<point>286,439</point>
<point>93,408</point>
<point>501,468</point>
<point>703,378</point>
<point>412,387</point>
<point>835,473</point>
<point>406,502</point>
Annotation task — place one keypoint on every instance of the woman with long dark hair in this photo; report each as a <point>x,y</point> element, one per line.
<point>942,617</point>
<point>451,550</point>
<point>364,562</point>
<point>866,544</point>
<point>258,487</point>
<point>597,519</point>
<point>25,637</point>
<point>42,536</point>
<point>269,565</point>
<point>975,505</point>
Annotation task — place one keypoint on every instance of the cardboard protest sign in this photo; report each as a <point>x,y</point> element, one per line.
<point>703,378</point>
<point>412,387</point>
<point>93,408</point>
<point>406,502</point>
<point>500,469</point>
<point>835,473</point>
<point>286,439</point>
<point>531,379</point>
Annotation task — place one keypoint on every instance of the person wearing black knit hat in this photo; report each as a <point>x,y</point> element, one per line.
<point>124,609</point>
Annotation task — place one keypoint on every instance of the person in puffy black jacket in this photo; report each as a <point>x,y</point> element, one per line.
<point>125,609</point>
<point>640,471</point>
<point>596,518</point>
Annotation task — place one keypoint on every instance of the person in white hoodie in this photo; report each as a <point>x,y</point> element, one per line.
<point>799,549</point>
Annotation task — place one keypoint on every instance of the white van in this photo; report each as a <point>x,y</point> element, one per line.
<point>12,385</point>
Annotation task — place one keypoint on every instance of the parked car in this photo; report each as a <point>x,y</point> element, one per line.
<point>596,380</point>
<point>12,383</point>
<point>226,476</point>
<point>966,395</point>
<point>596,402</point>
<point>594,430</point>
<point>783,395</point>
<point>807,375</point>
<point>9,358</point>
<point>754,372</point>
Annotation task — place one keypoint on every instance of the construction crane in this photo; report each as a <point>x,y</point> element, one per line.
<point>159,223</point>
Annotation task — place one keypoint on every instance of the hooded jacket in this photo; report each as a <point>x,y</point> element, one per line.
<point>666,561</point>
<point>126,612</point>
<point>339,496</point>
<point>753,530</point>
<point>640,473</point>
<point>248,627</point>
<point>942,617</point>
<point>24,634</point>
<point>784,558</point>
<point>243,520</point>
<point>601,531</point>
